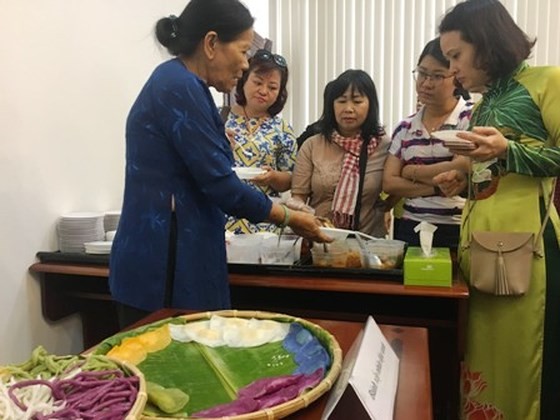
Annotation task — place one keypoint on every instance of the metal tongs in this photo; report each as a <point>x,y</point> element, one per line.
<point>293,244</point>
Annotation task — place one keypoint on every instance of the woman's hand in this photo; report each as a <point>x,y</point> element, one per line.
<point>489,142</point>
<point>267,178</point>
<point>307,225</point>
<point>278,180</point>
<point>302,223</point>
<point>451,183</point>
<point>296,204</point>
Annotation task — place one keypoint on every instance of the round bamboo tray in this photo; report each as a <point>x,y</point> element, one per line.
<point>135,412</point>
<point>303,400</point>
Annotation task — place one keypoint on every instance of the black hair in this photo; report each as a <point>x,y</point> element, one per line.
<point>181,35</point>
<point>260,66</point>
<point>499,44</point>
<point>433,49</point>
<point>358,81</point>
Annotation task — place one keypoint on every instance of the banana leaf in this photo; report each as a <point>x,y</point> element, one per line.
<point>212,376</point>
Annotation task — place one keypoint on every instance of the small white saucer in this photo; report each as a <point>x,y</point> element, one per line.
<point>248,173</point>
<point>451,141</point>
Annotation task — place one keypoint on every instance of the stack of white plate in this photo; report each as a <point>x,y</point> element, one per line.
<point>74,229</point>
<point>98,247</point>
<point>111,220</point>
<point>110,235</point>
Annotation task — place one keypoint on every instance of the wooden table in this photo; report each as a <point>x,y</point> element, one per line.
<point>65,288</point>
<point>413,399</point>
<point>83,289</point>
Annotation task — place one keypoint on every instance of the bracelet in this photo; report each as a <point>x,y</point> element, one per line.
<point>286,220</point>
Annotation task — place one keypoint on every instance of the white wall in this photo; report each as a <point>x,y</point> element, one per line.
<point>69,73</point>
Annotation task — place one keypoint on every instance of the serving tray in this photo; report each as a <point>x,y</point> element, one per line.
<point>302,267</point>
<point>170,360</point>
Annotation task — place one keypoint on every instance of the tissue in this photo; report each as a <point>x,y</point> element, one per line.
<point>426,237</point>
<point>424,265</point>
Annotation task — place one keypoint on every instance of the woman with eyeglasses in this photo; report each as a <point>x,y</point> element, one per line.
<point>261,138</point>
<point>415,157</point>
<point>338,172</point>
<point>169,249</point>
<point>512,359</point>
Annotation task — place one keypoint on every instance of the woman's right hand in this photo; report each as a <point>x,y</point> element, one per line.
<point>451,183</point>
<point>307,225</point>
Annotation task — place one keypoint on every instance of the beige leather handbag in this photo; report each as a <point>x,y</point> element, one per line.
<point>501,262</point>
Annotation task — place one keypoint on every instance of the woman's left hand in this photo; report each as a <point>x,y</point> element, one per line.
<point>265,179</point>
<point>490,143</point>
<point>451,183</point>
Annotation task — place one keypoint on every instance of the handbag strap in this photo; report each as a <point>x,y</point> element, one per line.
<point>546,217</point>
<point>541,230</point>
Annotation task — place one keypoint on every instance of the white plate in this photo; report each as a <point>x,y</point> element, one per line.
<point>98,247</point>
<point>448,135</point>
<point>459,144</point>
<point>248,173</point>
<point>451,141</point>
<point>82,215</point>
<point>341,234</point>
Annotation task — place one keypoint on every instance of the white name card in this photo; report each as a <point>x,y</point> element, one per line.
<point>367,385</point>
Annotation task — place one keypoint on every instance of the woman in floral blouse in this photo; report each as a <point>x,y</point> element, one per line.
<point>260,137</point>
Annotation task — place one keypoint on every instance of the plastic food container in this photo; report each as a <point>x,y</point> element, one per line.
<point>334,255</point>
<point>384,253</point>
<point>354,256</point>
<point>244,249</point>
<point>285,251</point>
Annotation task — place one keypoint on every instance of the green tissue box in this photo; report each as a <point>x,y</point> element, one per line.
<point>435,270</point>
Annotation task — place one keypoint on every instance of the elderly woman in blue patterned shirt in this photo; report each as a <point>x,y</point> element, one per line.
<point>169,249</point>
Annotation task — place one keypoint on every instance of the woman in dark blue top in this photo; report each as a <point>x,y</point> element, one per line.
<point>169,249</point>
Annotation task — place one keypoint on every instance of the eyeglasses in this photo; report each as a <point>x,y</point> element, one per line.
<point>421,76</point>
<point>266,55</point>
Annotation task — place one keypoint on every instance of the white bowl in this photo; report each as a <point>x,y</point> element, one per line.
<point>248,173</point>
